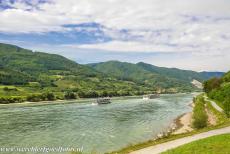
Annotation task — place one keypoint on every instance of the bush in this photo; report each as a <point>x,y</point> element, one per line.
<point>199,115</point>
<point>211,84</point>
<point>227,107</point>
<point>7,100</point>
<point>50,96</point>
<point>41,97</point>
<point>10,89</point>
<point>70,95</point>
<point>34,98</point>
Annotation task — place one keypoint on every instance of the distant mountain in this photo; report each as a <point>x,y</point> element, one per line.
<point>179,74</point>
<point>209,75</point>
<point>151,75</point>
<point>186,75</point>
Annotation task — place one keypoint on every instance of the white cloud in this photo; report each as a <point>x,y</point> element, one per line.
<point>200,27</point>
<point>127,47</point>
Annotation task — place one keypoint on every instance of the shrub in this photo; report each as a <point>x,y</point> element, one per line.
<point>15,99</point>
<point>70,95</point>
<point>211,84</point>
<point>227,107</point>
<point>34,98</point>
<point>49,96</point>
<point>199,115</point>
<point>10,89</point>
<point>41,97</point>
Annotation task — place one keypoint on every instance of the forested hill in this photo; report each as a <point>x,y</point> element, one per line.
<point>24,72</point>
<point>22,65</point>
<point>147,73</point>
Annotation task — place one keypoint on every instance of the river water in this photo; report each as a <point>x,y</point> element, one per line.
<point>96,128</point>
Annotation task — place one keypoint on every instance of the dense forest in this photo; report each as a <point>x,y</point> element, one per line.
<point>219,90</point>
<point>38,76</point>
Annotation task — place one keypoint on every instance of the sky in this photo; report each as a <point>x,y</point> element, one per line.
<point>187,34</point>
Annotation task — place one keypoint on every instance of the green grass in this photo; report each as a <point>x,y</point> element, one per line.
<point>219,103</point>
<point>221,117</point>
<point>219,144</point>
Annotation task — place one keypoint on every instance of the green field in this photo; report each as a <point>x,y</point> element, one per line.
<point>212,145</point>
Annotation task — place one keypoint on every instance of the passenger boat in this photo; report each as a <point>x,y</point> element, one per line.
<point>105,100</point>
<point>151,96</point>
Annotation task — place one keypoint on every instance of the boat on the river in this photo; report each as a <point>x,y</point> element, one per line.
<point>105,100</point>
<point>151,96</point>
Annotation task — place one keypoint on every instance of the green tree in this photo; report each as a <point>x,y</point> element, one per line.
<point>50,96</point>
<point>211,84</point>
<point>70,95</point>
<point>199,115</point>
<point>227,106</point>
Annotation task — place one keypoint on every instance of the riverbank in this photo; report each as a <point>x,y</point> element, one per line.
<point>79,100</point>
<point>184,122</point>
<point>180,127</point>
<point>222,122</point>
<point>193,135</point>
<point>55,102</point>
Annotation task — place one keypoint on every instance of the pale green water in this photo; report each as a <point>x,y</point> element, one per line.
<point>98,128</point>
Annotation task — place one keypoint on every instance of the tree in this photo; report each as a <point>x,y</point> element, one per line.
<point>34,98</point>
<point>211,84</point>
<point>6,89</point>
<point>50,96</point>
<point>70,95</point>
<point>199,115</point>
<point>227,106</point>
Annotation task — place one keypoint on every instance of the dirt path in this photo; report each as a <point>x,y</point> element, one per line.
<point>212,119</point>
<point>213,104</point>
<point>175,143</point>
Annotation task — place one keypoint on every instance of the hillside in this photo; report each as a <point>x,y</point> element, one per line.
<point>184,75</point>
<point>219,90</point>
<point>32,65</point>
<point>24,73</point>
<point>151,75</point>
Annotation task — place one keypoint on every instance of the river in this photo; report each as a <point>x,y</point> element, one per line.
<point>97,128</point>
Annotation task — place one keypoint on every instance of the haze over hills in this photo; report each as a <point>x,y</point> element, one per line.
<point>35,72</point>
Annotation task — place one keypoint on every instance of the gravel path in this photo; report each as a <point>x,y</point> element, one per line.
<point>213,104</point>
<point>175,143</point>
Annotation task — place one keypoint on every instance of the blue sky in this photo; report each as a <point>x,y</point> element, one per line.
<point>185,34</point>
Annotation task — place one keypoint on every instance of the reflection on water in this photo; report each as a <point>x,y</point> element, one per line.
<point>95,127</point>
